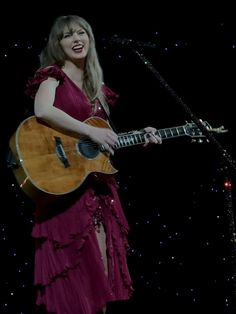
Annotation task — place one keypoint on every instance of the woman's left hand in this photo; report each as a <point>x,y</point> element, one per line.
<point>151,136</point>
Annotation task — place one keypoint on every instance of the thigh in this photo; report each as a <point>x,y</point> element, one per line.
<point>101,237</point>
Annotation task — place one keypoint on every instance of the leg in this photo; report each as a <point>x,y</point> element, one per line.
<point>101,237</point>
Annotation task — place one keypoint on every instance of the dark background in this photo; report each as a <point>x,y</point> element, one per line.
<point>175,196</point>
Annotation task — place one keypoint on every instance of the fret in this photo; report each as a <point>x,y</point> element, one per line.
<point>168,133</point>
<point>174,132</point>
<point>138,138</point>
<point>162,133</point>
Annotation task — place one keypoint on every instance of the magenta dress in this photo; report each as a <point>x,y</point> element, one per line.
<point>69,271</point>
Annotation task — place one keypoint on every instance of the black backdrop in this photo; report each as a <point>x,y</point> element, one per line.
<point>174,195</point>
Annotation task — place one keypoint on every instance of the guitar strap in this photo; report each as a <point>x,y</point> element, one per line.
<point>105,106</point>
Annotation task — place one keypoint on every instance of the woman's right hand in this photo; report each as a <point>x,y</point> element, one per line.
<point>105,137</point>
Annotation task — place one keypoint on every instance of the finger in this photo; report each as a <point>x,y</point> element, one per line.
<point>102,148</point>
<point>157,139</point>
<point>112,135</point>
<point>153,138</point>
<point>109,149</point>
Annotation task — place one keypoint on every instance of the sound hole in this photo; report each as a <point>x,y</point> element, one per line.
<point>88,148</point>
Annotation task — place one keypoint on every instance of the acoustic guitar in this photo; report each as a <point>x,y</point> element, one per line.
<point>51,162</point>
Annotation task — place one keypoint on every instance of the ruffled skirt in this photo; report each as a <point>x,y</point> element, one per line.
<point>69,270</point>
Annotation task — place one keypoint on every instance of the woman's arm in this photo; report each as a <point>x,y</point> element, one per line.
<point>45,110</point>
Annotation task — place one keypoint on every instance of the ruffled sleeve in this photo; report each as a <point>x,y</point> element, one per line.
<point>41,75</point>
<point>111,96</point>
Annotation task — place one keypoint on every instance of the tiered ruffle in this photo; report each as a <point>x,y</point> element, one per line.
<point>70,272</point>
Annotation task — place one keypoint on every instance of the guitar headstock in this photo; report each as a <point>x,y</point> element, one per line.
<point>195,132</point>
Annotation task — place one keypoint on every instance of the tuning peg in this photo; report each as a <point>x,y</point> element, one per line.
<point>199,140</point>
<point>221,129</point>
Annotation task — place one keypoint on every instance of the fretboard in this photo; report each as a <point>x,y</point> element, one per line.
<point>136,138</point>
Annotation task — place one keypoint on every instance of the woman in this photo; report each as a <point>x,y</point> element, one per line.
<point>81,244</point>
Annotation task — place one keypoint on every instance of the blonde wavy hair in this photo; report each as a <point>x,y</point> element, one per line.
<point>53,54</point>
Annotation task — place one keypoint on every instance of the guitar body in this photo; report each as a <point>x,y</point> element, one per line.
<point>52,162</point>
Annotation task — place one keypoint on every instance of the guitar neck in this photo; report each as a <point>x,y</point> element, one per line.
<point>137,138</point>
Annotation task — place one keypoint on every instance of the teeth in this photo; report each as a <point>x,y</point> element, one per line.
<point>78,47</point>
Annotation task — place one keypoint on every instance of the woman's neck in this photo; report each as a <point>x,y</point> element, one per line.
<point>74,72</point>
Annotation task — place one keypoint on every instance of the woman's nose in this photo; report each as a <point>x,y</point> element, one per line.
<point>76,36</point>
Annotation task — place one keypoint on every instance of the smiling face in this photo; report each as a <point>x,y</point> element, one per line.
<point>75,42</point>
